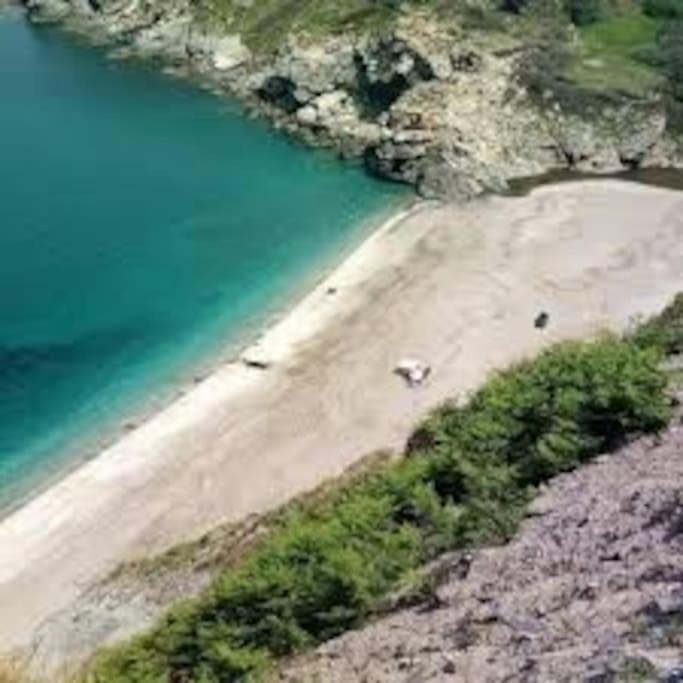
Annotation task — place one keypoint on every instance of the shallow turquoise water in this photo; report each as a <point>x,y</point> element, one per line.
<point>143,225</point>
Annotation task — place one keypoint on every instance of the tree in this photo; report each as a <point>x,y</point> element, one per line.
<point>584,12</point>
<point>670,56</point>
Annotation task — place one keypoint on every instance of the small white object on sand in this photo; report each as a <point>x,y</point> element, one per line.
<point>414,372</point>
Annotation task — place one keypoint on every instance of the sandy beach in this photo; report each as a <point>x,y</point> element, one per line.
<point>457,286</point>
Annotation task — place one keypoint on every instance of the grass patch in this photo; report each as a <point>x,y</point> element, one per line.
<point>266,23</point>
<point>610,55</point>
<point>331,562</point>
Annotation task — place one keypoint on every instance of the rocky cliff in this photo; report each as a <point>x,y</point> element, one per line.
<point>424,102</point>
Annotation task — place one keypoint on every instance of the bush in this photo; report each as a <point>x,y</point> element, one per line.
<point>664,331</point>
<point>663,9</point>
<point>326,566</point>
<point>549,415</point>
<point>580,12</point>
<point>584,12</point>
<point>674,119</point>
<point>543,73</point>
<point>321,571</point>
<point>515,6</point>
<point>670,56</point>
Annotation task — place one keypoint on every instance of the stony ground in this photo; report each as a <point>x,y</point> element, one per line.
<point>591,589</point>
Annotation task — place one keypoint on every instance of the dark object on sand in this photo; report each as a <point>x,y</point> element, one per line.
<point>256,363</point>
<point>542,320</point>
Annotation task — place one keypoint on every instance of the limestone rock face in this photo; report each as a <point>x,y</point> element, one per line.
<point>168,38</point>
<point>434,106</point>
<point>223,53</point>
<point>466,135</point>
<point>317,68</point>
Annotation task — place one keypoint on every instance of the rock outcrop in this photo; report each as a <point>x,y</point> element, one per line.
<point>435,106</point>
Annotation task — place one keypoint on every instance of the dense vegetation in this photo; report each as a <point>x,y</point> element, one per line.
<point>596,51</point>
<point>327,565</point>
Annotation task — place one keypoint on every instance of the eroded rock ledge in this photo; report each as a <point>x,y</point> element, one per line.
<point>434,106</point>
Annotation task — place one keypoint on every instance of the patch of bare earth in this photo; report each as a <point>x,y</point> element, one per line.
<point>590,589</point>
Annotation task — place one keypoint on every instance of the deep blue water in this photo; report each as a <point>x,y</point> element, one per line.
<point>143,225</point>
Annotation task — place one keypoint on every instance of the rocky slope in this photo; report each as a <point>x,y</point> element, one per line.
<point>591,589</point>
<point>425,102</point>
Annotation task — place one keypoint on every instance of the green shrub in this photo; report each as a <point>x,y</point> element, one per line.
<point>579,12</point>
<point>674,119</point>
<point>326,566</point>
<point>670,57</point>
<point>584,12</point>
<point>515,6</point>
<point>663,9</point>
<point>664,331</point>
<point>322,571</point>
<point>543,73</point>
<point>551,414</point>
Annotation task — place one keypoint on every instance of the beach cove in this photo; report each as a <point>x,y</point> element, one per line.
<point>456,285</point>
<point>201,323</point>
<point>149,229</point>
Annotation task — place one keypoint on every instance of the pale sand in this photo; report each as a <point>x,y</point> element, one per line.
<point>457,286</point>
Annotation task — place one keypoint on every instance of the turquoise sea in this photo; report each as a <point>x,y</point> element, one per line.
<point>144,226</point>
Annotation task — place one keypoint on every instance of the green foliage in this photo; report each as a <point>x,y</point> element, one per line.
<point>665,55</point>
<point>670,53</point>
<point>584,12</point>
<point>664,331</point>
<point>579,12</point>
<point>515,6</point>
<point>611,55</point>
<point>624,34</point>
<point>265,24</point>
<point>549,415</point>
<point>326,566</point>
<point>674,118</point>
<point>663,9</point>
<point>322,571</point>
<point>603,69</point>
<point>625,49</point>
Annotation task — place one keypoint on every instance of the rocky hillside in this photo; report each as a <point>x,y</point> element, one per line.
<point>591,589</point>
<point>444,102</point>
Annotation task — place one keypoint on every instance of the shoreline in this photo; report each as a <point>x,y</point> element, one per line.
<point>455,284</point>
<point>276,336</point>
<point>230,352</point>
